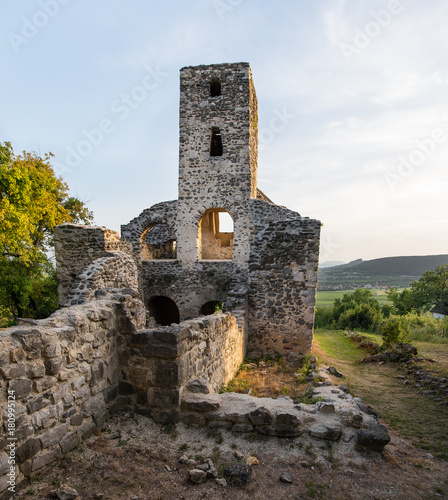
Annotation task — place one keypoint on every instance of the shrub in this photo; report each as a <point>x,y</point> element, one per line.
<point>362,316</point>
<point>393,332</point>
<point>324,317</point>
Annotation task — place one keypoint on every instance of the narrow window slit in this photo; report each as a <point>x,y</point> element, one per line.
<point>216,142</point>
<point>215,88</point>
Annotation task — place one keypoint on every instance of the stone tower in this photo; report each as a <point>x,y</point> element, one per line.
<point>217,158</point>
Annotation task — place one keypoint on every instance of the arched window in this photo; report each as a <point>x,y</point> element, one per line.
<point>215,235</point>
<point>216,142</point>
<point>163,310</point>
<point>215,88</point>
<point>158,243</point>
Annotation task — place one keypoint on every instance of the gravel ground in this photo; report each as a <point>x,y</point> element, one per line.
<point>134,458</point>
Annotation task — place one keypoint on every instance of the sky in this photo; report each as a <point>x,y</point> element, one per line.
<point>359,87</point>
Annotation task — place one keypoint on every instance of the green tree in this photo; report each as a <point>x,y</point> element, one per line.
<point>403,302</point>
<point>359,309</point>
<point>428,291</point>
<point>33,200</point>
<point>431,289</point>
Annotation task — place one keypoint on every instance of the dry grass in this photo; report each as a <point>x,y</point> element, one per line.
<point>269,378</point>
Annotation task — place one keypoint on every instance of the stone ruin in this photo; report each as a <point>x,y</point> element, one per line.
<point>137,327</point>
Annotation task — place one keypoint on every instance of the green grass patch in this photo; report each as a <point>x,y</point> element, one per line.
<point>326,298</point>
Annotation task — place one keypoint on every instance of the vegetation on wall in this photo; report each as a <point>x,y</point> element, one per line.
<point>33,200</point>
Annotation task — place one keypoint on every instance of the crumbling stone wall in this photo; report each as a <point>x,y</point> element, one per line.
<point>69,372</point>
<point>63,373</point>
<point>156,364</point>
<point>282,287</point>
<point>90,258</point>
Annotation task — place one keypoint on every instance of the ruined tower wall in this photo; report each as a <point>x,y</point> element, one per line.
<point>282,287</point>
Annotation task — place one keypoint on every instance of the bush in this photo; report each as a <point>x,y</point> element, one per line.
<point>362,316</point>
<point>324,317</point>
<point>393,331</point>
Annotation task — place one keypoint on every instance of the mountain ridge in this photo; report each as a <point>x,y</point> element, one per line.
<point>398,271</point>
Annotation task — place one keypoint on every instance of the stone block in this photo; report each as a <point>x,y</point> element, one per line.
<point>201,405</point>
<point>40,418</point>
<point>126,388</point>
<point>261,416</point>
<point>193,419</point>
<point>160,397</point>
<point>21,387</point>
<point>94,405</point>
<point>36,370</point>
<point>376,437</point>
<point>37,403</point>
<point>76,420</point>
<point>52,350</point>
<point>13,371</point>
<point>45,459</point>
<point>53,366</point>
<point>53,435</point>
<point>86,429</point>
<point>167,374</point>
<point>242,428</point>
<point>100,417</point>
<point>98,371</point>
<point>329,431</point>
<point>44,384</point>
<point>110,394</point>
<point>69,442</point>
<point>29,449</point>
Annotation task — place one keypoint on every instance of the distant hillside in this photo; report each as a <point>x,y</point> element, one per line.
<point>331,263</point>
<point>388,271</point>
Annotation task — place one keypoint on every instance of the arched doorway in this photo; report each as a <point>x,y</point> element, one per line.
<point>163,310</point>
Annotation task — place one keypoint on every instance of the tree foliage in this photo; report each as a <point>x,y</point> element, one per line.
<point>33,200</point>
<point>428,291</point>
<point>359,309</point>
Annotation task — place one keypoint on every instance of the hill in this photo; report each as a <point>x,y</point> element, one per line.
<point>388,271</point>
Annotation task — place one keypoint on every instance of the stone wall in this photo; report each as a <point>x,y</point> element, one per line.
<point>69,372</point>
<point>282,287</point>
<point>89,258</point>
<point>164,213</point>
<point>64,374</point>
<point>188,288</point>
<point>156,364</point>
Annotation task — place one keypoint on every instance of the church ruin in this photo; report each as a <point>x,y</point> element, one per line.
<point>263,270</point>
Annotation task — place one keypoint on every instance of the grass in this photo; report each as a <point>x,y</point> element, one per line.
<point>326,298</point>
<point>413,415</point>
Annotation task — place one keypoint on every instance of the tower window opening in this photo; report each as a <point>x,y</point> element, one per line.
<point>215,235</point>
<point>216,142</point>
<point>215,88</point>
